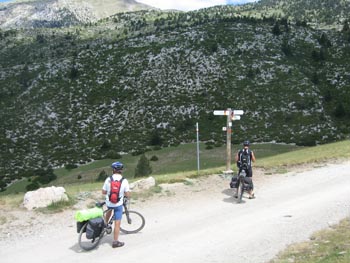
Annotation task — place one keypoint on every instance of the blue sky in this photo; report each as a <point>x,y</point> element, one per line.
<point>185,5</point>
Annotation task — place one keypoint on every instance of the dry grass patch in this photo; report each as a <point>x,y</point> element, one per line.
<point>327,246</point>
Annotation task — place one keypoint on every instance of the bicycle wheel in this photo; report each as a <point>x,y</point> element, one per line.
<point>240,191</point>
<point>88,244</point>
<point>132,223</point>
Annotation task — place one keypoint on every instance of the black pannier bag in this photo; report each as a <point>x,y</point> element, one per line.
<point>80,225</point>
<point>233,183</point>
<point>247,182</point>
<point>94,227</point>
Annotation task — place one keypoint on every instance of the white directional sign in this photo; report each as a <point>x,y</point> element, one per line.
<point>236,117</point>
<point>238,112</point>
<point>221,112</point>
<point>227,112</point>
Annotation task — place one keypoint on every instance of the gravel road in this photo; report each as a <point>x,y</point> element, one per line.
<point>199,222</point>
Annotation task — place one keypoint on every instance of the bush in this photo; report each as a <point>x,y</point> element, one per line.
<point>33,186</point>
<point>143,167</point>
<point>154,158</point>
<point>113,155</point>
<point>102,176</point>
<point>70,166</point>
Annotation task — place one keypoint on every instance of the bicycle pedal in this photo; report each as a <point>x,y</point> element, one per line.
<point>108,229</point>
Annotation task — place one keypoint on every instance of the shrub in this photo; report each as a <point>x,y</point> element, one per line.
<point>102,176</point>
<point>70,166</point>
<point>154,158</point>
<point>32,186</point>
<point>143,167</point>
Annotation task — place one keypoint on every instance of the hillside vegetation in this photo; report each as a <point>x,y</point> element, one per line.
<point>141,80</point>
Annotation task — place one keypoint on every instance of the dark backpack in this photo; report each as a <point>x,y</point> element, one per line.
<point>94,228</point>
<point>115,190</point>
<point>245,159</point>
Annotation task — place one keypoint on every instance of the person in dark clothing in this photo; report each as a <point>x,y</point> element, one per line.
<point>244,159</point>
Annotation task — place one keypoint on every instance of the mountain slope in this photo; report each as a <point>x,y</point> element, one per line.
<point>144,79</point>
<point>318,13</point>
<point>61,13</point>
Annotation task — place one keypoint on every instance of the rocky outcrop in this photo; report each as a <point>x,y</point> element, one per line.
<point>44,197</point>
<point>143,184</point>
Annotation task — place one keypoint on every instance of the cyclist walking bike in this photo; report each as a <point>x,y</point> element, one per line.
<point>132,222</point>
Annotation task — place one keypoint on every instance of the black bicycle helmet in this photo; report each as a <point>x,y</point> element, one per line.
<point>246,143</point>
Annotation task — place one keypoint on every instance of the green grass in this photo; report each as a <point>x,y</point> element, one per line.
<point>326,246</point>
<point>56,207</point>
<point>175,164</point>
<point>316,154</point>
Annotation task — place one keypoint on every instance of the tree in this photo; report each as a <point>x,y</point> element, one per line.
<point>286,48</point>
<point>102,176</point>
<point>143,167</point>
<point>346,27</point>
<point>155,138</point>
<point>276,29</point>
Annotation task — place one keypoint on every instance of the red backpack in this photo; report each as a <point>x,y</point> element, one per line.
<point>115,190</point>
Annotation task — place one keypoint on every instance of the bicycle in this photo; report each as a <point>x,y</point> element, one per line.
<point>131,223</point>
<point>241,184</point>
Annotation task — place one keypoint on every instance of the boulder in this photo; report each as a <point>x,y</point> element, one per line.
<point>44,197</point>
<point>143,184</point>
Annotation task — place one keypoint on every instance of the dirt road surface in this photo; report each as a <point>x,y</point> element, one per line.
<point>196,222</point>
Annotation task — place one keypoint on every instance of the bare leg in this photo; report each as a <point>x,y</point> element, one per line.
<point>116,242</point>
<point>116,229</point>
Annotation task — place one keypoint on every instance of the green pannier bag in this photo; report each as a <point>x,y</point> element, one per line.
<point>84,215</point>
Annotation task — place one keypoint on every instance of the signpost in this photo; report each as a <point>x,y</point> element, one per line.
<point>197,131</point>
<point>232,115</point>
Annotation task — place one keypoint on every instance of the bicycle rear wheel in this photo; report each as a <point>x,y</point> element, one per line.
<point>240,191</point>
<point>132,222</point>
<point>88,244</point>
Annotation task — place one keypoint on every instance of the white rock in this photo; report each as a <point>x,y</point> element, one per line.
<point>143,184</point>
<point>44,197</point>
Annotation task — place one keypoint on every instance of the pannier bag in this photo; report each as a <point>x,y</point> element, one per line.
<point>233,183</point>
<point>247,182</point>
<point>84,215</point>
<point>94,228</point>
<point>80,225</point>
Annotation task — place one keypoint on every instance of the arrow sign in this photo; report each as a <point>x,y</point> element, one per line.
<point>221,112</point>
<point>236,117</point>
<point>226,112</point>
<point>237,112</point>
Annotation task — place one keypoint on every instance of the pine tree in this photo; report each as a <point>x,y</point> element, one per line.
<point>143,167</point>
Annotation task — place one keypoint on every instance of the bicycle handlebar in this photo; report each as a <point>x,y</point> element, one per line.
<point>126,201</point>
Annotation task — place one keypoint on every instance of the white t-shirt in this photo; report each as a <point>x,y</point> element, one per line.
<point>123,188</point>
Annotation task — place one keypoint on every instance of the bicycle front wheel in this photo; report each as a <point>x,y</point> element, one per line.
<point>240,191</point>
<point>88,244</point>
<point>132,222</point>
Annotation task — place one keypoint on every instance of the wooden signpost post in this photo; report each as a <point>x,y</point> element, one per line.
<point>232,115</point>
